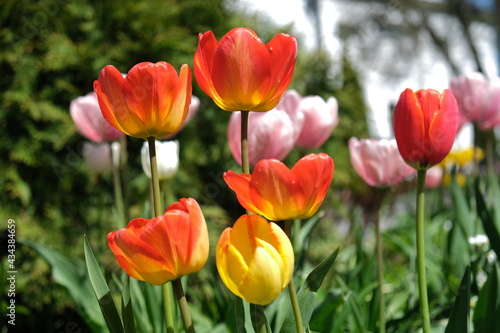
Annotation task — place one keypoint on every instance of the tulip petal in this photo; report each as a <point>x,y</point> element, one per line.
<point>283,55</point>
<point>203,63</point>
<point>276,191</point>
<point>241,70</point>
<point>409,123</point>
<point>315,173</point>
<point>240,184</point>
<point>112,92</point>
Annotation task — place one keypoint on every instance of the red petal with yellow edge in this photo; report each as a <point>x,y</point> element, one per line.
<point>181,100</point>
<point>143,257</point>
<point>112,91</point>
<point>276,191</point>
<point>240,184</point>
<point>283,52</point>
<point>186,222</point>
<point>203,63</point>
<point>151,91</point>
<point>315,173</point>
<point>241,71</point>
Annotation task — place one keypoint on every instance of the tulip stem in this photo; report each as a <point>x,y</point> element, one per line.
<point>117,186</point>
<point>155,185</point>
<point>244,142</point>
<point>422,282</point>
<point>155,182</point>
<point>245,168</point>
<point>380,271</point>
<point>167,306</point>
<point>183,306</point>
<point>291,288</point>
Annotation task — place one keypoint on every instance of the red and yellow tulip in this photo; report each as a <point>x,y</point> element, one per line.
<point>164,248</point>
<point>278,193</point>
<point>425,125</point>
<point>255,259</point>
<point>241,73</point>
<point>151,101</point>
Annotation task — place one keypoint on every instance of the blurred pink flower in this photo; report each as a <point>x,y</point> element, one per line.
<point>290,104</point>
<point>193,109</point>
<point>492,114</point>
<point>378,161</point>
<point>89,120</point>
<point>270,135</point>
<point>478,99</point>
<point>97,156</point>
<point>434,177</point>
<point>320,119</point>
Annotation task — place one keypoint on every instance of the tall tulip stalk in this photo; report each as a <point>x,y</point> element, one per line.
<point>379,163</point>
<point>241,73</point>
<point>151,101</point>
<point>425,126</point>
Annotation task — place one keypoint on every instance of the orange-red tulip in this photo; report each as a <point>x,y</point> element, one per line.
<point>151,101</point>
<point>278,193</point>
<point>255,259</point>
<point>425,125</point>
<point>164,248</point>
<point>241,73</point>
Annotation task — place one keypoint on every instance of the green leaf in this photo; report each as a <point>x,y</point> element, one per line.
<point>102,292</point>
<point>72,274</point>
<point>487,221</point>
<point>463,211</point>
<point>127,310</point>
<point>308,293</point>
<point>487,312</point>
<point>459,318</point>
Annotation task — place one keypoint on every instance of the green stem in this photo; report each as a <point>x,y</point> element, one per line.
<point>380,274</point>
<point>245,169</point>
<point>155,185</point>
<point>154,177</point>
<point>183,306</point>
<point>244,142</point>
<point>422,283</point>
<point>167,305</point>
<point>291,289</point>
<point>117,186</point>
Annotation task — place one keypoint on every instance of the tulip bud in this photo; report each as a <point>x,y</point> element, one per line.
<point>255,259</point>
<point>164,248</point>
<point>425,126</point>
<point>378,162</point>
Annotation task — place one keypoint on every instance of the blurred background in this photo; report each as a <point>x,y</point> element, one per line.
<point>364,53</point>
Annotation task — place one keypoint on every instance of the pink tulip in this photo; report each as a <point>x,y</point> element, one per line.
<point>378,162</point>
<point>270,135</point>
<point>320,119</point>
<point>478,99</point>
<point>290,104</point>
<point>492,114</point>
<point>193,109</point>
<point>89,121</point>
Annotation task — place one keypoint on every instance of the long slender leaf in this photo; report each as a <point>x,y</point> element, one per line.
<point>127,310</point>
<point>72,274</point>
<point>487,221</point>
<point>459,318</point>
<point>102,292</point>
<point>486,313</point>
<point>308,293</point>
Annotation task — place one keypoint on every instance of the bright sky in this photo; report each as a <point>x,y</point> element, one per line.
<point>378,94</point>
